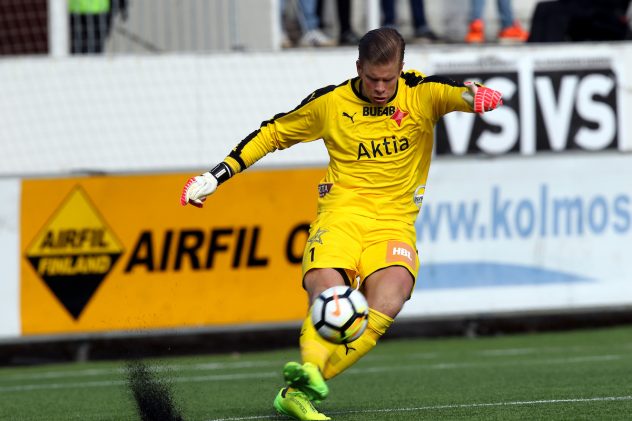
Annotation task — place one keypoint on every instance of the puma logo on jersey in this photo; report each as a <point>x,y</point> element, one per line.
<point>379,148</point>
<point>350,117</point>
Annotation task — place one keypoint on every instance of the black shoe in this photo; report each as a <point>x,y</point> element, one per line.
<point>349,38</point>
<point>425,35</point>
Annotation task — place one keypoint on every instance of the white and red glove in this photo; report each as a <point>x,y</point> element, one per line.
<point>197,189</point>
<point>482,98</point>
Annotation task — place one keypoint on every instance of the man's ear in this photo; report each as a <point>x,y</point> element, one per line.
<point>358,67</point>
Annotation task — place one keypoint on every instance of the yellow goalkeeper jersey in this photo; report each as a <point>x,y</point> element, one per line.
<point>379,156</point>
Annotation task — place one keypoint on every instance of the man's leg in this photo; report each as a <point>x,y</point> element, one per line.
<point>505,10</point>
<point>550,22</point>
<point>335,241</point>
<point>386,292</point>
<point>315,350</point>
<point>297,405</point>
<point>388,13</point>
<point>476,9</point>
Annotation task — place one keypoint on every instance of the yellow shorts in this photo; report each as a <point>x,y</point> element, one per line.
<point>360,245</point>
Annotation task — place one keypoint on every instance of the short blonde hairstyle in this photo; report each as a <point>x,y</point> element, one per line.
<point>380,46</point>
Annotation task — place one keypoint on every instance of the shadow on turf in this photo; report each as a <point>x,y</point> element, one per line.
<point>153,396</point>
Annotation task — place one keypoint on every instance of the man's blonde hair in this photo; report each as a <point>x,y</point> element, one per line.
<point>380,46</point>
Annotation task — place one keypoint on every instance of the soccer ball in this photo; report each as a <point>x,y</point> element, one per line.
<point>340,314</point>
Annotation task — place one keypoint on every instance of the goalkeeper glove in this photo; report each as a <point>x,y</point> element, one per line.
<point>481,98</point>
<point>198,188</point>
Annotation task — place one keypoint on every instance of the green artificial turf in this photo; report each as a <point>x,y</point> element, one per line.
<point>578,375</point>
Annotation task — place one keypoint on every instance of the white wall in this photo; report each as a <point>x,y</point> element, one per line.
<point>9,258</point>
<point>171,112</point>
<point>196,25</point>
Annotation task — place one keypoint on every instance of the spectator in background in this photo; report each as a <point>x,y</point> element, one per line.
<point>580,20</point>
<point>90,23</point>
<point>309,21</point>
<point>422,31</point>
<point>347,35</point>
<point>510,31</point>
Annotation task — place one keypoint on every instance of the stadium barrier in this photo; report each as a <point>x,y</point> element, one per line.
<point>541,227</point>
<point>514,235</point>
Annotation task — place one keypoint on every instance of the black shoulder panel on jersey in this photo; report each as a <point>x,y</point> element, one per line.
<point>236,152</point>
<point>412,79</point>
<point>317,93</point>
<point>443,80</point>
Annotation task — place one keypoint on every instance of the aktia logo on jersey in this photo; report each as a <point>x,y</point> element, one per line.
<point>381,148</point>
<point>74,252</point>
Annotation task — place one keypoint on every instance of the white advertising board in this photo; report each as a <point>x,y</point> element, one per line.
<point>546,233</point>
<point>9,257</point>
<point>555,100</point>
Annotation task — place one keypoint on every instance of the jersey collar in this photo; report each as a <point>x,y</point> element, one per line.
<point>356,87</point>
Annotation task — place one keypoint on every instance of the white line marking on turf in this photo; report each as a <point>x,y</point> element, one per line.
<point>157,368</point>
<point>507,352</point>
<point>453,366</point>
<point>453,406</point>
<point>271,374</point>
<point>108,383</point>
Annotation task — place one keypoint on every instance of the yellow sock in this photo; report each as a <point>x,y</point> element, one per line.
<point>314,349</point>
<point>344,356</point>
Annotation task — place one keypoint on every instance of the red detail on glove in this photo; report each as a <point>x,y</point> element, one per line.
<point>183,197</point>
<point>486,100</point>
<point>196,204</point>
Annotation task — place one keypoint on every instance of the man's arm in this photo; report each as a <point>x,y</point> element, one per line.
<point>197,188</point>
<point>482,98</point>
<point>282,131</point>
<point>449,95</point>
<point>254,147</point>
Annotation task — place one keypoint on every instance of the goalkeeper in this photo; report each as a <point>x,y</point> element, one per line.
<point>378,129</point>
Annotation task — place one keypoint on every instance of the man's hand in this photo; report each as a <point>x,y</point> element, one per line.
<point>197,189</point>
<point>482,98</point>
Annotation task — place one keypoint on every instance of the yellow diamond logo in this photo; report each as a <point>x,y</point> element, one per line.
<point>74,251</point>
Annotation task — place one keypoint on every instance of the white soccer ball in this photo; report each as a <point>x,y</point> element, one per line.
<point>340,314</point>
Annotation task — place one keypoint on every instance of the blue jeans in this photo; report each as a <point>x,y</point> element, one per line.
<point>418,12</point>
<point>504,10</point>
<point>308,16</point>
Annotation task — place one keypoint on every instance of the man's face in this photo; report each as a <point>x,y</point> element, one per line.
<point>379,81</point>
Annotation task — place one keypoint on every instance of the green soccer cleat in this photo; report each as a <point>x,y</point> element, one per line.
<point>296,405</point>
<point>307,379</point>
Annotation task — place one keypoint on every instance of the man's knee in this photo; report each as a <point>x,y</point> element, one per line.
<point>317,280</point>
<point>388,289</point>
